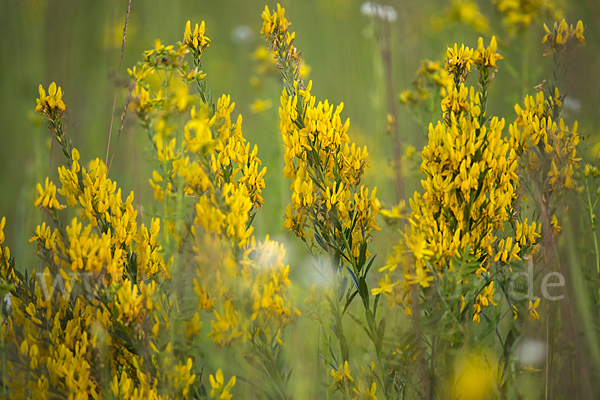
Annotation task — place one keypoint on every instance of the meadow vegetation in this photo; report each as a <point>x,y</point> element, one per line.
<point>473,274</point>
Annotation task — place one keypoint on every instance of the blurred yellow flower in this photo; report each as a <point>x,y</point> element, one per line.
<point>260,105</point>
<point>218,391</point>
<point>385,286</point>
<point>475,378</point>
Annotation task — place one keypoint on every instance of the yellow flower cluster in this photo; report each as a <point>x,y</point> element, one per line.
<point>429,76</point>
<point>343,382</point>
<point>520,14</point>
<point>240,280</point>
<point>280,40</point>
<point>459,62</point>
<point>102,279</point>
<point>486,57</point>
<point>219,391</point>
<point>275,24</point>
<point>325,169</point>
<point>324,166</point>
<point>470,184</point>
<point>103,306</point>
<point>483,300</point>
<point>563,33</point>
<point>51,103</point>
<point>468,12</point>
<point>244,295</point>
<point>536,136</point>
<point>218,167</point>
<point>47,197</point>
<point>196,39</point>
<point>341,377</point>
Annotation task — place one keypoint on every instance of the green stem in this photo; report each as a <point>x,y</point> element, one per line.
<point>590,208</point>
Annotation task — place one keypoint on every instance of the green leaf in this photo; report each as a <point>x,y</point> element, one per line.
<point>369,265</point>
<point>349,300</point>
<point>354,279</point>
<point>381,331</point>
<point>262,336</point>
<point>362,257</point>
<point>335,221</point>
<point>342,288</point>
<point>364,292</point>
<point>320,241</point>
<point>359,323</point>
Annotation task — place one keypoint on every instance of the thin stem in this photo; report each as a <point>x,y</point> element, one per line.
<point>547,345</point>
<point>386,57</point>
<point>590,208</point>
<point>112,117</point>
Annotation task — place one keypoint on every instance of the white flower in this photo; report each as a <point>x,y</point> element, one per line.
<point>242,34</point>
<point>384,12</point>
<point>572,104</point>
<point>531,352</point>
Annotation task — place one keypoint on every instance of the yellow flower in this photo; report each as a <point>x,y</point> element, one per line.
<point>419,247</point>
<point>458,60</point>
<point>515,311</point>
<point>475,378</point>
<point>579,32</point>
<point>2,223</point>
<point>342,376</point>
<point>385,286</point>
<point>193,326</point>
<point>468,12</point>
<point>274,24</point>
<point>487,57</point>
<point>51,102</point>
<point>397,212</point>
<point>196,39</point>
<point>421,277</point>
<point>47,198</point>
<point>533,314</point>
<point>362,394</point>
<point>260,105</point>
<point>216,382</point>
<point>519,15</point>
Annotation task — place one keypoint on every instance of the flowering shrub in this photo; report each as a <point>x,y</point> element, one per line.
<point>126,310</point>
